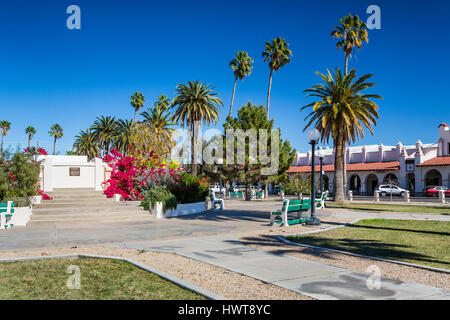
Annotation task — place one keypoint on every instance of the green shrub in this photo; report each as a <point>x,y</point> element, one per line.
<point>190,189</point>
<point>159,194</point>
<point>19,202</point>
<point>19,177</point>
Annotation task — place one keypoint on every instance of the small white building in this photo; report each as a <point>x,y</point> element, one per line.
<point>72,172</point>
<point>410,167</point>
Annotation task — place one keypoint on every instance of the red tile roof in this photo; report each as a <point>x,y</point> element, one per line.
<point>443,125</point>
<point>435,162</point>
<point>367,166</point>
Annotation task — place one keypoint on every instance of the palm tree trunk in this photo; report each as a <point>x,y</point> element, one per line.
<point>134,115</point>
<point>346,64</point>
<point>54,147</point>
<point>29,141</point>
<point>268,92</point>
<point>1,150</point>
<point>194,148</point>
<point>338,170</point>
<point>232,97</point>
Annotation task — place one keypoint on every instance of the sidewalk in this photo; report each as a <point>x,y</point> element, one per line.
<point>306,277</point>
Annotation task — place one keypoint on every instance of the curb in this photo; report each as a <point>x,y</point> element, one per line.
<point>181,283</point>
<point>283,239</point>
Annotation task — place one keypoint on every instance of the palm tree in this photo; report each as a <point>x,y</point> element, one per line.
<point>5,126</point>
<point>123,135</point>
<point>56,132</point>
<point>353,33</point>
<point>340,113</point>
<point>278,54</point>
<point>86,145</point>
<point>242,67</point>
<point>105,131</point>
<point>137,102</point>
<point>163,102</point>
<point>197,103</point>
<point>31,131</point>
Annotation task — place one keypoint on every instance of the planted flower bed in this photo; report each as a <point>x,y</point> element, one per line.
<point>164,188</point>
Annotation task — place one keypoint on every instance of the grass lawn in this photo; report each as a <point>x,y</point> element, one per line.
<point>390,207</point>
<point>100,279</point>
<point>420,242</point>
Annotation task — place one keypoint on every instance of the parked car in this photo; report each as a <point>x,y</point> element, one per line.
<point>433,191</point>
<point>386,189</point>
<point>278,189</point>
<point>216,189</point>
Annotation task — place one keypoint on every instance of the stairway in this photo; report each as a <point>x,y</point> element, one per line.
<point>84,205</point>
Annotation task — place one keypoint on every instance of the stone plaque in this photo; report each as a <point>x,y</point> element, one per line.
<point>74,172</point>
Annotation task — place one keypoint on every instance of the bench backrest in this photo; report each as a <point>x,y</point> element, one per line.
<point>5,205</point>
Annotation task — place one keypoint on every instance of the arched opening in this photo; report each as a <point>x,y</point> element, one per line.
<point>411,182</point>
<point>371,183</point>
<point>355,184</point>
<point>326,183</point>
<point>390,178</point>
<point>433,178</point>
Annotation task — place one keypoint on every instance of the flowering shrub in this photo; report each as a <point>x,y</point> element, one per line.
<point>45,196</point>
<point>191,188</point>
<point>36,151</point>
<point>133,175</point>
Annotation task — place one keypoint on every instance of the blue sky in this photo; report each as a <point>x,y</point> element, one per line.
<point>49,74</point>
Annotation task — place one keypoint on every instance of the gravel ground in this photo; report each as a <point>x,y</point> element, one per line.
<point>228,284</point>
<point>266,241</point>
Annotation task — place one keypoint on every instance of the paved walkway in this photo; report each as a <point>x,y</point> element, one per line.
<point>306,277</point>
<point>388,215</point>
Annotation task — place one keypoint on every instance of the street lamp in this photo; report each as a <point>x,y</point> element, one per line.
<point>320,154</point>
<point>220,163</point>
<point>313,136</point>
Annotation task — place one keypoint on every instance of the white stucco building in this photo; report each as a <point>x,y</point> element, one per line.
<point>411,167</point>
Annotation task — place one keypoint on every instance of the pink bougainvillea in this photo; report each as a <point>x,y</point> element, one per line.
<point>36,151</point>
<point>131,176</point>
<point>45,196</point>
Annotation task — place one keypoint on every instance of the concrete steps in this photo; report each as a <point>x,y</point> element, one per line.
<point>84,205</point>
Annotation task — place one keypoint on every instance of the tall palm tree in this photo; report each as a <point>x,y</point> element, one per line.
<point>137,102</point>
<point>4,126</point>
<point>340,112</point>
<point>86,145</point>
<point>122,139</point>
<point>242,67</point>
<point>56,132</point>
<point>197,103</point>
<point>278,54</point>
<point>105,131</point>
<point>352,32</point>
<point>31,131</point>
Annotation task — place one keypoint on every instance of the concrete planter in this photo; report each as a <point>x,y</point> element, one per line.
<point>181,210</point>
<point>117,197</point>
<point>21,216</point>
<point>35,199</point>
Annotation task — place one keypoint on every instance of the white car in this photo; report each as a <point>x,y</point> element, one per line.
<point>216,189</point>
<point>386,189</point>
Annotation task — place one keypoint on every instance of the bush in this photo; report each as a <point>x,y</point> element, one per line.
<point>159,194</point>
<point>19,202</point>
<point>190,189</point>
<point>19,177</point>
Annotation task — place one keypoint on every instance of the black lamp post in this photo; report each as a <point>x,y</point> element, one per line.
<point>220,163</point>
<point>320,154</point>
<point>313,136</point>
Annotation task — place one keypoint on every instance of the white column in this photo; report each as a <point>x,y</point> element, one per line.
<point>99,174</point>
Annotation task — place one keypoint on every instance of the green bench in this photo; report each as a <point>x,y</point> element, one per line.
<point>215,201</point>
<point>296,207</point>
<point>237,195</point>
<point>6,211</point>
<point>260,195</point>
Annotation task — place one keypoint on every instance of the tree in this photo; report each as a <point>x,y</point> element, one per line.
<point>137,102</point>
<point>352,32</point>
<point>196,103</point>
<point>122,137</point>
<point>4,126</point>
<point>254,117</point>
<point>56,132</point>
<point>31,131</point>
<point>298,185</point>
<point>242,67</point>
<point>340,112</point>
<point>86,145</point>
<point>278,54</point>
<point>105,131</point>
